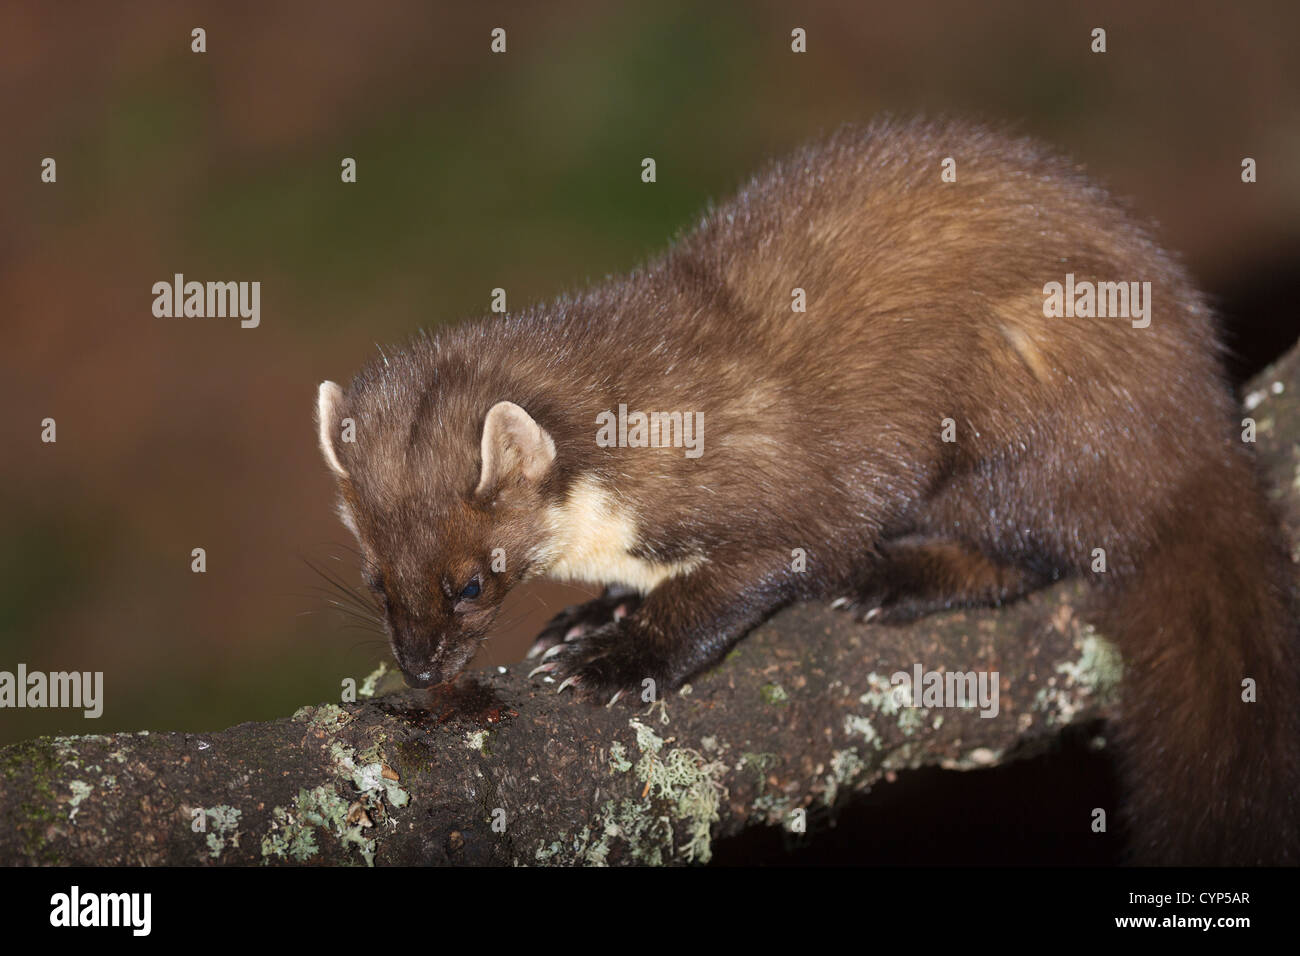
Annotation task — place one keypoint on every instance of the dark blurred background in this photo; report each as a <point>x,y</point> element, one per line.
<point>474,171</point>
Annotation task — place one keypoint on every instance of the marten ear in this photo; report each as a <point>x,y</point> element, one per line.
<point>329,401</point>
<point>513,444</point>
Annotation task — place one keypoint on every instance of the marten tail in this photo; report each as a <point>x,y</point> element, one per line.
<point>1210,728</point>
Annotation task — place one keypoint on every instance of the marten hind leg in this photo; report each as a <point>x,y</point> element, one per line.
<point>916,576</point>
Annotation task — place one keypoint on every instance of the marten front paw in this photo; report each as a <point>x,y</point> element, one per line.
<point>600,664</point>
<point>573,622</point>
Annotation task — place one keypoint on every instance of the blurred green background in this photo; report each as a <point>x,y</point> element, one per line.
<point>475,171</point>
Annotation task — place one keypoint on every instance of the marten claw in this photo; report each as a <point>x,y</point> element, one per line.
<point>605,663</point>
<point>576,622</point>
<point>546,644</point>
<point>855,608</point>
<point>872,607</point>
<point>542,669</point>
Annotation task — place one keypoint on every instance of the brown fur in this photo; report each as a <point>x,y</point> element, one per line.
<point>822,432</point>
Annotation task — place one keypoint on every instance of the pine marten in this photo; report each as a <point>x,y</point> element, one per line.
<point>947,393</point>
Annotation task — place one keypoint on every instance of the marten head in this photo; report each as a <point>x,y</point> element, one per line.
<point>446,501</point>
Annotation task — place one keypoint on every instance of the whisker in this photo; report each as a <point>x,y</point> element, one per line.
<point>351,549</point>
<point>333,579</point>
<point>363,600</point>
<point>343,602</point>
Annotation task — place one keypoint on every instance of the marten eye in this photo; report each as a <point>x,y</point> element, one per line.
<point>471,590</point>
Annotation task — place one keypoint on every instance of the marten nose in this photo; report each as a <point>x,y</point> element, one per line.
<point>417,666</point>
<point>425,678</point>
<point>418,669</point>
<point>414,648</point>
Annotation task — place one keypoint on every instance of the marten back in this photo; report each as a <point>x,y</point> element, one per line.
<point>925,302</point>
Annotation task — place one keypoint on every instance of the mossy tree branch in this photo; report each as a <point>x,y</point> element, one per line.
<point>501,769</point>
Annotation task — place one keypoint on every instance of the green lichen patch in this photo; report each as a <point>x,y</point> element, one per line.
<point>1094,676</point>
<point>910,719</point>
<point>80,791</point>
<point>689,785</point>
<point>845,769</point>
<point>855,726</point>
<point>774,807</point>
<point>618,762</point>
<point>223,828</point>
<point>295,831</point>
<point>326,717</point>
<point>367,688</point>
<point>774,695</point>
<point>546,852</point>
<point>759,763</point>
<point>881,695</point>
<point>646,739</point>
<point>889,700</point>
<point>566,849</point>
<point>369,778</point>
<point>647,839</point>
<point>681,788</point>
